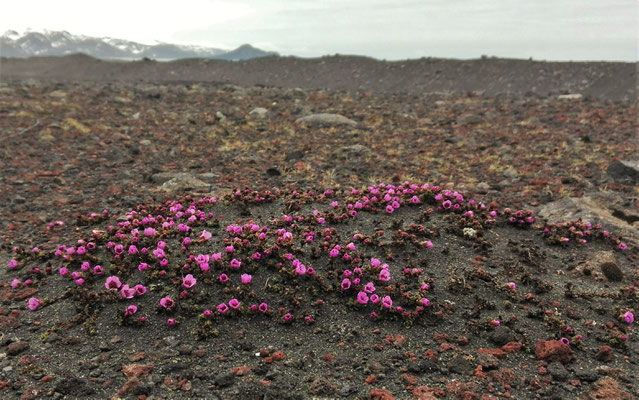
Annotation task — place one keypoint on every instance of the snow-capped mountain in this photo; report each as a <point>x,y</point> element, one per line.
<point>60,43</point>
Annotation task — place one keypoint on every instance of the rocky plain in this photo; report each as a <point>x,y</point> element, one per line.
<point>339,227</point>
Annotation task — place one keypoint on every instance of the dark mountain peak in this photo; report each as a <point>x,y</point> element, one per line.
<point>59,43</point>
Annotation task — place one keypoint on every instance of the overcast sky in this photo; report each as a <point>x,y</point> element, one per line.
<point>385,29</point>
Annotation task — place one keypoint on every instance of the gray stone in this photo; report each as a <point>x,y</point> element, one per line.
<point>624,171</point>
<point>326,120</point>
<point>162,177</point>
<point>259,113</point>
<point>185,182</point>
<point>502,335</point>
<point>356,151</point>
<point>511,173</point>
<point>607,209</point>
<point>572,96</point>
<point>557,371</point>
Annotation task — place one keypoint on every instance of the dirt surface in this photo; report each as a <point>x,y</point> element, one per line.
<point>492,76</point>
<point>516,307</point>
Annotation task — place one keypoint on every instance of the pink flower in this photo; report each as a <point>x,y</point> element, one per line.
<point>334,253</point>
<point>133,250</point>
<point>287,317</point>
<point>113,283</point>
<point>495,322</point>
<point>143,266</point>
<point>222,308</point>
<point>159,253</point>
<point>235,263</point>
<point>257,256</point>
<point>224,278</point>
<point>384,275</point>
<point>230,249</point>
<point>85,266</point>
<point>375,262</point>
<point>512,285</point>
<point>369,287</point>
<point>167,302</point>
<point>127,292</point>
<point>189,281</point>
<point>13,264</point>
<point>362,298</point>
<point>622,246</point>
<point>170,322</point>
<point>98,270</point>
<point>140,290</point>
<point>246,279</point>
<point>447,204</point>
<point>33,304</point>
<point>64,271</point>
<point>389,209</point>
<point>415,200</point>
<point>346,284</point>
<point>15,283</point>
<point>234,304</point>
<point>263,307</point>
<point>629,317</point>
<point>300,269</point>
<point>425,302</point>
<point>206,235</point>
<point>130,310</point>
<point>149,231</point>
<point>387,302</point>
<point>565,341</point>
<point>374,299</point>
<point>79,281</point>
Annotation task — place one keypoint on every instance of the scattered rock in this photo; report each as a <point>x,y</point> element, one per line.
<point>351,153</point>
<point>606,388</point>
<point>605,354</point>
<point>597,208</point>
<point>17,348</point>
<point>225,379</point>
<point>483,187</point>
<point>185,182</point>
<point>325,119</point>
<point>259,113</point>
<point>511,173</point>
<point>553,350</point>
<point>612,271</point>
<point>502,335</point>
<point>380,394</point>
<point>572,96</point>
<point>469,120</point>
<point>557,371</point>
<point>136,370</point>
<point>322,386</point>
<point>624,171</point>
<point>488,361</point>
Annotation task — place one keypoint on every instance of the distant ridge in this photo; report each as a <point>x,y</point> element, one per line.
<point>62,43</point>
<point>489,76</point>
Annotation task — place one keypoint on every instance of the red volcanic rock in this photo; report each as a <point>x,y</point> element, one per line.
<point>606,388</point>
<point>511,347</point>
<point>380,394</point>
<point>135,370</point>
<point>423,393</point>
<point>240,371</point>
<point>553,350</point>
<point>495,352</point>
<point>504,376</point>
<point>605,353</point>
<point>278,355</point>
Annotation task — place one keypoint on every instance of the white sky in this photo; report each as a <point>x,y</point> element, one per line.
<point>385,29</point>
